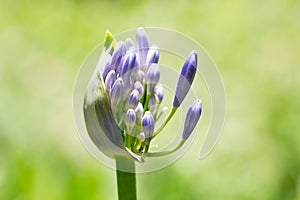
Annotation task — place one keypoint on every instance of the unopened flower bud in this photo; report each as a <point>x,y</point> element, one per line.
<point>152,55</point>
<point>130,120</point>
<point>139,75</point>
<point>106,69</point>
<point>110,79</point>
<point>133,99</point>
<point>159,92</point>
<point>139,87</point>
<point>117,55</point>
<point>148,125</point>
<point>186,78</point>
<point>129,43</point>
<point>116,91</point>
<point>128,62</point>
<point>142,43</point>
<point>153,74</point>
<point>152,77</point>
<point>139,110</point>
<point>192,118</point>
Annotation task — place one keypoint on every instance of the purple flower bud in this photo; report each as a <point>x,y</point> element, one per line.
<point>152,77</point>
<point>137,62</point>
<point>139,87</point>
<point>139,110</point>
<point>186,78</point>
<point>110,79</point>
<point>116,91</point>
<point>106,70</point>
<point>129,43</point>
<point>152,56</point>
<point>133,99</point>
<point>117,55</point>
<point>128,62</point>
<point>148,125</point>
<point>153,74</point>
<point>192,118</point>
<point>159,91</point>
<point>142,43</point>
<point>130,119</point>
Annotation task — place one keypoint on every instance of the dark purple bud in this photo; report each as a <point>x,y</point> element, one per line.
<point>186,78</point>
<point>107,69</point>
<point>130,119</point>
<point>128,63</point>
<point>142,43</point>
<point>110,79</point>
<point>133,99</point>
<point>148,125</point>
<point>117,55</point>
<point>159,91</point>
<point>116,91</point>
<point>152,55</point>
<point>191,119</point>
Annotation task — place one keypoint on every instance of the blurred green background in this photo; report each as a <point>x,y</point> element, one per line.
<point>256,46</point>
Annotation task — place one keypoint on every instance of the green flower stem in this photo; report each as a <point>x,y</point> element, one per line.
<point>126,181</point>
<point>165,122</point>
<point>143,98</point>
<point>164,153</point>
<point>147,102</point>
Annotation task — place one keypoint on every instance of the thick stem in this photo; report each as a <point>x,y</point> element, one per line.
<point>126,181</point>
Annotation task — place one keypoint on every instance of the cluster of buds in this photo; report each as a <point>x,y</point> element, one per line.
<point>132,95</point>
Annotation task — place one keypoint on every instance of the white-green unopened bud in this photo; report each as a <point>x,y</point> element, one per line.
<point>130,120</point>
<point>139,110</point>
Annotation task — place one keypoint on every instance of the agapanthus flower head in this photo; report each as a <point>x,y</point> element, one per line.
<point>131,96</point>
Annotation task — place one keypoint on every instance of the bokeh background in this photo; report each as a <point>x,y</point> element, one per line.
<point>256,46</point>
